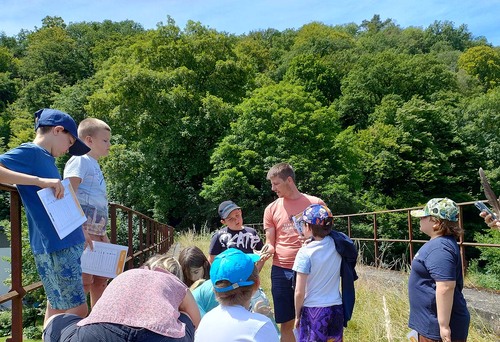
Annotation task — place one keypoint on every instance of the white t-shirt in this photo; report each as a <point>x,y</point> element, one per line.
<point>91,192</point>
<point>321,262</point>
<point>235,324</point>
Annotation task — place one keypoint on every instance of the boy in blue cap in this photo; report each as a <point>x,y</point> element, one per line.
<point>31,166</point>
<point>235,278</point>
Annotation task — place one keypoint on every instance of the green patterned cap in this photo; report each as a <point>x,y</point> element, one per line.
<point>442,208</point>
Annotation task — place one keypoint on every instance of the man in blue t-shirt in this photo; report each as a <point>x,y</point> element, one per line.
<point>31,166</point>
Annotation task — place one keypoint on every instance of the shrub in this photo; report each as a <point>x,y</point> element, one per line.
<point>5,323</point>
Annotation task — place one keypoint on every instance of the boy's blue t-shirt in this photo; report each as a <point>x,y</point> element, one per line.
<point>34,160</point>
<point>437,260</point>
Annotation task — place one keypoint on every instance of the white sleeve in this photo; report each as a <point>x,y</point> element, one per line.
<point>76,166</point>
<point>267,333</point>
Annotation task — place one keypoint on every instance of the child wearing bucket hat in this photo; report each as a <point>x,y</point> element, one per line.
<point>31,166</point>
<point>318,302</point>
<point>438,311</point>
<point>235,278</point>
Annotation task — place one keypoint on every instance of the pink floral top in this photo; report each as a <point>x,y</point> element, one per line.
<point>142,298</point>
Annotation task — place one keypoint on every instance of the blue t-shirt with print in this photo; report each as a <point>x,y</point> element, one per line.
<point>34,160</point>
<point>437,260</point>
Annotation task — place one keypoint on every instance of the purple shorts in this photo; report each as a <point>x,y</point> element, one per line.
<point>321,324</point>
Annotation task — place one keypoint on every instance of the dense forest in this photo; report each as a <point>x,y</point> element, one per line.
<point>372,115</point>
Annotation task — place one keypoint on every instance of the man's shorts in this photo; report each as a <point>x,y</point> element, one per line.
<point>63,328</point>
<point>282,289</point>
<point>61,274</point>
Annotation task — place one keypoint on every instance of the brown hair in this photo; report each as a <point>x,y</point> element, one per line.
<point>89,127</point>
<point>322,230</point>
<point>281,170</point>
<point>446,227</point>
<point>238,296</point>
<point>190,257</point>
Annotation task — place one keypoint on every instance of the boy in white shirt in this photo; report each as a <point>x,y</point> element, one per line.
<point>88,182</point>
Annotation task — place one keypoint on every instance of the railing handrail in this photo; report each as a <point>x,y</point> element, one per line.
<point>376,240</point>
<point>154,237</point>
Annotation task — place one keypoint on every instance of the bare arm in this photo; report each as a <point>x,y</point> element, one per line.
<point>13,177</point>
<point>270,239</point>
<point>189,307</point>
<point>300,292</point>
<point>444,303</point>
<point>211,258</point>
<point>75,183</point>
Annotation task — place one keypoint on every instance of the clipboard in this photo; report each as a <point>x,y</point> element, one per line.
<point>65,213</point>
<point>105,260</point>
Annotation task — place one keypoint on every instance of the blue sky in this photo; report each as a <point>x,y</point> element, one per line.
<point>482,17</point>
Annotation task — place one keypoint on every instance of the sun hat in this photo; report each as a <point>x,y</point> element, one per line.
<point>54,117</point>
<point>226,207</point>
<point>442,208</point>
<point>234,266</point>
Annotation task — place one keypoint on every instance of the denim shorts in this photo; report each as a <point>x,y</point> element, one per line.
<point>282,280</point>
<point>63,328</point>
<point>61,275</point>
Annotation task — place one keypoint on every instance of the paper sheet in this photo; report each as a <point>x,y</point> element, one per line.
<point>65,213</point>
<point>412,336</point>
<point>106,260</point>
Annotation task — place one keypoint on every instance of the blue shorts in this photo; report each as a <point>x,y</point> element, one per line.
<point>61,275</point>
<point>63,328</point>
<point>283,282</point>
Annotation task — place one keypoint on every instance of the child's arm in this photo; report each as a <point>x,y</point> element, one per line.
<point>13,177</point>
<point>189,307</point>
<point>300,292</point>
<point>75,183</point>
<point>444,304</point>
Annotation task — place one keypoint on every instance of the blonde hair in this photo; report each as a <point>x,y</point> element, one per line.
<point>90,126</point>
<point>166,263</point>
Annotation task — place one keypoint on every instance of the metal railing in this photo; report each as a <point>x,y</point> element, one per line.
<point>143,236</point>
<point>345,223</point>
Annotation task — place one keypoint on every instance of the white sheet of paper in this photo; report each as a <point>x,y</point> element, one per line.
<point>106,260</point>
<point>65,213</point>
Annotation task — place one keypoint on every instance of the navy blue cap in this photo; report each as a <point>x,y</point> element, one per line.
<point>54,117</point>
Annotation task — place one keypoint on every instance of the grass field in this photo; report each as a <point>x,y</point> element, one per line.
<point>380,313</point>
<point>370,322</point>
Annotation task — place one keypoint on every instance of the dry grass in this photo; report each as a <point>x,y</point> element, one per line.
<point>371,316</point>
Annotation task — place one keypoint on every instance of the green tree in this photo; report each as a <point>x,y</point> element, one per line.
<point>482,62</point>
<point>52,50</point>
<point>277,123</point>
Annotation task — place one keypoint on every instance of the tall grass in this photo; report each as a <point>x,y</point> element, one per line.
<point>374,319</point>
